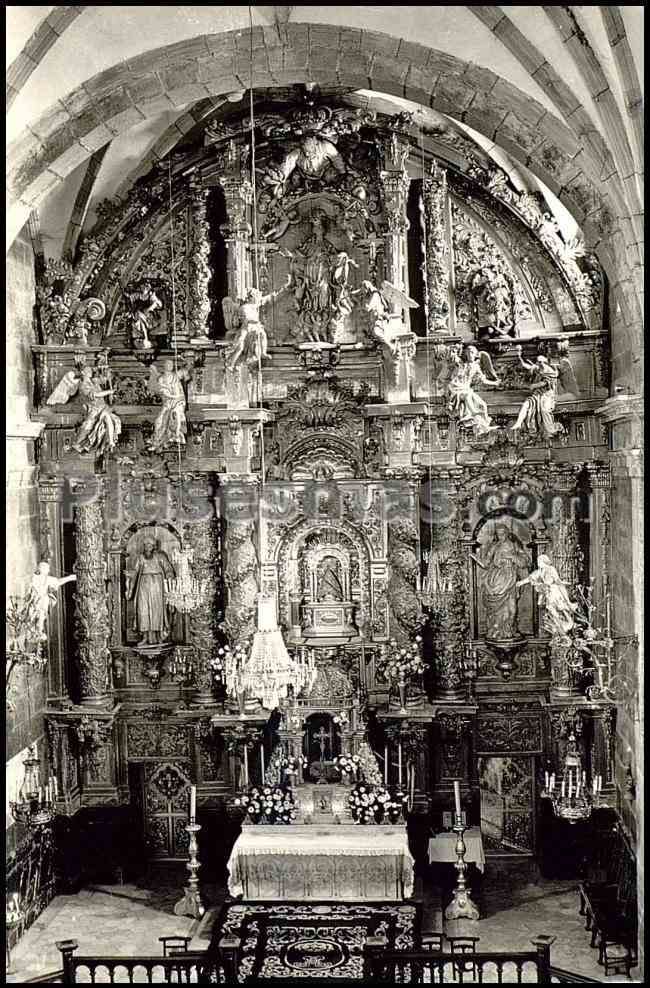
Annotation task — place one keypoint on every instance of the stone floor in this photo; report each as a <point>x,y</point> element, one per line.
<point>128,920</point>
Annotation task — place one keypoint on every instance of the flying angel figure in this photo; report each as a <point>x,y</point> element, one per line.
<point>244,330</point>
<point>536,412</point>
<point>385,305</point>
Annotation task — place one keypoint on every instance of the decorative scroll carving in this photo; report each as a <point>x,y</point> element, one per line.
<point>145,740</point>
<point>94,742</point>
<point>508,727</point>
<point>454,729</point>
<point>92,618</point>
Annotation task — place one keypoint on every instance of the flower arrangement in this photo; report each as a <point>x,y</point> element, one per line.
<point>290,765</point>
<point>341,720</point>
<point>347,764</point>
<point>273,803</point>
<point>402,662</point>
<point>370,805</point>
<point>217,663</point>
<point>233,659</point>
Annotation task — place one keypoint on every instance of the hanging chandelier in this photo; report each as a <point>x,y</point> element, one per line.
<point>574,798</point>
<point>34,804</point>
<point>184,591</point>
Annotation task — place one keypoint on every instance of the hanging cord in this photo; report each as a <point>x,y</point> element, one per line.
<point>423,226</point>
<point>175,347</point>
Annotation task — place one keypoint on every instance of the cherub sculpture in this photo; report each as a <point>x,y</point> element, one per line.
<point>536,412</point>
<point>171,424</point>
<point>101,427</point>
<point>244,329</point>
<point>464,403</point>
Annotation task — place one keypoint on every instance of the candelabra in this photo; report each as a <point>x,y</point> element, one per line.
<point>34,806</point>
<point>190,904</point>
<point>461,905</point>
<point>574,799</point>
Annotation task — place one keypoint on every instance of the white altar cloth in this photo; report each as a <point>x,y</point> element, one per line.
<point>442,847</point>
<point>347,862</point>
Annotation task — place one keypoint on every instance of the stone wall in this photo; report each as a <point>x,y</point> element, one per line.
<point>25,721</point>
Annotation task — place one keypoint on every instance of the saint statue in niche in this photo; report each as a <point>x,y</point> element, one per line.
<point>145,585</point>
<point>503,562</point>
<point>329,583</point>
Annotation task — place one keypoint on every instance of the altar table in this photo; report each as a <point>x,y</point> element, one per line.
<point>347,862</point>
<point>442,848</point>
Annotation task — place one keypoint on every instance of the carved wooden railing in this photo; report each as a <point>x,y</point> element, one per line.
<point>432,967</point>
<point>191,968</point>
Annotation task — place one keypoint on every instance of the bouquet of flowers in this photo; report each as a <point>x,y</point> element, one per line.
<point>273,803</point>
<point>369,805</point>
<point>290,764</point>
<point>402,662</point>
<point>217,663</point>
<point>347,764</point>
<point>341,720</point>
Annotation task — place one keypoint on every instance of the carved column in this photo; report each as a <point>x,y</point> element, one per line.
<point>237,231</point>
<point>202,537</point>
<point>436,219</point>
<point>241,564</point>
<point>51,492</point>
<point>395,187</point>
<point>92,619</point>
<point>199,265</point>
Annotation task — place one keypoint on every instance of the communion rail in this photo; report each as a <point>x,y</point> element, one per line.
<point>431,967</point>
<point>191,968</point>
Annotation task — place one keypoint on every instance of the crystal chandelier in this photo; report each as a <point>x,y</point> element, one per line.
<point>185,592</point>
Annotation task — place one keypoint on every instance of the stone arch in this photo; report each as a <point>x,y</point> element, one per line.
<point>116,98</point>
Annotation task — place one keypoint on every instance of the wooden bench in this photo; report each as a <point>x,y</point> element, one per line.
<point>610,909</point>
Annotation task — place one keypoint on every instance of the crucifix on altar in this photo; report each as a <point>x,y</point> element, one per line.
<point>320,745</point>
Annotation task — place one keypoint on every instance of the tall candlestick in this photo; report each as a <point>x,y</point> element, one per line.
<point>386,765</point>
<point>570,785</point>
<point>245,765</point>
<point>562,789</point>
<point>546,780</point>
<point>262,761</point>
<point>457,798</point>
<point>399,764</point>
<point>192,803</point>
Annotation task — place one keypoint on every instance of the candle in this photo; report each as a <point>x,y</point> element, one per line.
<point>399,764</point>
<point>192,803</point>
<point>546,780</point>
<point>245,765</point>
<point>56,786</point>
<point>570,785</point>
<point>553,782</point>
<point>577,788</point>
<point>584,777</point>
<point>562,789</point>
<point>594,787</point>
<point>600,783</point>
<point>386,765</point>
<point>457,797</point>
<point>262,761</point>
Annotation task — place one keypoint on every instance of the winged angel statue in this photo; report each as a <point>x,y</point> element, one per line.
<point>474,367</point>
<point>536,412</point>
<point>101,427</point>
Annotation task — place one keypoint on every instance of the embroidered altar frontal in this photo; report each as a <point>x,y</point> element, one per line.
<point>340,862</point>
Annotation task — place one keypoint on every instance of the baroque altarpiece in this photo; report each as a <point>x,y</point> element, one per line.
<point>358,384</point>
